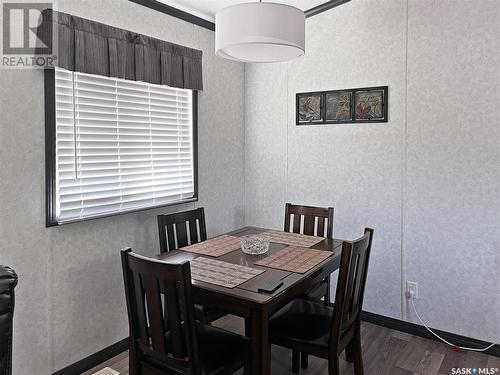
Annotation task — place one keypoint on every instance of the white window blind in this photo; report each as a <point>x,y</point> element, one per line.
<point>120,145</point>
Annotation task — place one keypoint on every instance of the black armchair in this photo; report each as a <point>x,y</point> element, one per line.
<point>8,281</point>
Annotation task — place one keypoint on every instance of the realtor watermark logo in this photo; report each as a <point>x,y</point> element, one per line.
<point>474,371</point>
<point>24,44</point>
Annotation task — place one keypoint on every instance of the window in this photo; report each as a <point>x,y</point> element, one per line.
<point>116,146</point>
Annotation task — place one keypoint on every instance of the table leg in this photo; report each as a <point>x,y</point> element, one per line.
<point>260,347</point>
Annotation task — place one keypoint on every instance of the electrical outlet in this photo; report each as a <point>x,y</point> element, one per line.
<point>411,289</point>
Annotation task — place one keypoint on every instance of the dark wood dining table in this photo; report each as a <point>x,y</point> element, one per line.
<point>256,307</point>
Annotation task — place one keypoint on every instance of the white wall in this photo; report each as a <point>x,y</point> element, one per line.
<point>70,299</point>
<point>428,181</point>
<point>452,204</point>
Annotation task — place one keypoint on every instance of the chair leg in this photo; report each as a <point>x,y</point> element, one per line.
<point>248,327</point>
<point>357,354</point>
<point>348,353</point>
<point>132,365</point>
<point>327,295</point>
<point>295,361</point>
<point>246,369</point>
<point>333,366</point>
<point>304,360</point>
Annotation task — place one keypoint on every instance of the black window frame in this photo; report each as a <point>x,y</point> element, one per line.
<point>50,157</point>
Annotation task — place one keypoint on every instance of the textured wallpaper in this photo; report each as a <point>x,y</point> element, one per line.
<point>70,298</point>
<point>428,180</point>
<point>355,168</point>
<point>452,206</point>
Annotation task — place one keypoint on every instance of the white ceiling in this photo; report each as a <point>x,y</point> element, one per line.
<point>207,8</point>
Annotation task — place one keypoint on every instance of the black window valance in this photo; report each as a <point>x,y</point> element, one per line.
<point>92,47</point>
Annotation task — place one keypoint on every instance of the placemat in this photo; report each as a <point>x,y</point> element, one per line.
<point>293,239</point>
<point>221,273</point>
<point>215,247</point>
<point>295,259</point>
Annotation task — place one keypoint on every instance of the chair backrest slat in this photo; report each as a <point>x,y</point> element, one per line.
<point>346,313</point>
<point>174,226</point>
<point>356,293</point>
<point>170,245</point>
<point>193,232</point>
<point>155,314</point>
<point>140,307</point>
<point>296,223</point>
<point>351,285</point>
<point>161,311</point>
<point>321,227</point>
<point>309,221</point>
<point>181,231</point>
<point>174,321</point>
<point>323,216</point>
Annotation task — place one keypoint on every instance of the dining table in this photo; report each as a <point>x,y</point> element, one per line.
<point>246,301</point>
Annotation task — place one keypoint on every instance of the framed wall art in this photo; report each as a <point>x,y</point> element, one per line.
<point>338,106</point>
<point>370,105</point>
<point>309,108</point>
<point>367,104</point>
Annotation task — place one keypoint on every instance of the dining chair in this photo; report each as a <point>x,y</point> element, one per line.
<point>173,234</point>
<point>326,331</point>
<point>324,228</point>
<point>173,229</point>
<point>304,222</point>
<point>165,338</point>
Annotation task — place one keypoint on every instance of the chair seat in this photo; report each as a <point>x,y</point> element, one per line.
<point>303,322</point>
<point>220,351</point>
<point>316,292</point>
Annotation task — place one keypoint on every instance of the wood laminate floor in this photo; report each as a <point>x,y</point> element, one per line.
<point>385,352</point>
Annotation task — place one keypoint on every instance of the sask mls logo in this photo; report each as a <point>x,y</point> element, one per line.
<point>21,45</point>
<point>474,370</point>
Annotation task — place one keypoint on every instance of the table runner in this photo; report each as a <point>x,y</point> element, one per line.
<point>295,259</point>
<point>215,247</point>
<point>221,273</point>
<point>293,239</point>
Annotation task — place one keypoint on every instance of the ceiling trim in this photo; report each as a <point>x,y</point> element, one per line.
<point>188,17</point>
<point>324,7</point>
<point>177,13</point>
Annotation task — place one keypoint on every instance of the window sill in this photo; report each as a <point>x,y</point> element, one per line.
<point>55,223</point>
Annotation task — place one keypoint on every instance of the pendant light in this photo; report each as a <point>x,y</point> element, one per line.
<point>260,32</point>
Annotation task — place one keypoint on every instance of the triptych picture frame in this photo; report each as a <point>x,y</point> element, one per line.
<point>367,104</point>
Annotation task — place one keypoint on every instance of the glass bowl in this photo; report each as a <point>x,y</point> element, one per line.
<point>255,244</point>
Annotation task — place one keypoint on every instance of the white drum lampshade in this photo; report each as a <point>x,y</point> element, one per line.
<point>260,32</point>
